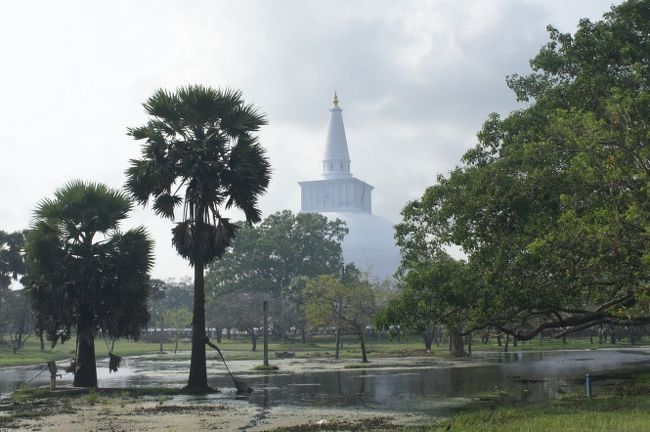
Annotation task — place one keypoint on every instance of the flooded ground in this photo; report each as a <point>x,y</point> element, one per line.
<point>414,385</point>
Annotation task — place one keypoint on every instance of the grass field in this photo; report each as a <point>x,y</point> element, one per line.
<point>240,349</point>
<point>624,407</point>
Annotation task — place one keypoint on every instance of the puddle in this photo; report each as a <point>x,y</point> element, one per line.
<point>432,390</point>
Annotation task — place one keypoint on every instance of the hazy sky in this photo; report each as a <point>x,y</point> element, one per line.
<point>416,79</point>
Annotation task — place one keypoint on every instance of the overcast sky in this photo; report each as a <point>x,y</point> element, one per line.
<point>416,79</point>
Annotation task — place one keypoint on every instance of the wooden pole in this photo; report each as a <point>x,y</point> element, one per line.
<point>266,333</point>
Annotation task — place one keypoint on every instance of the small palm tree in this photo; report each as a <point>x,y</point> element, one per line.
<point>200,153</point>
<point>84,273</point>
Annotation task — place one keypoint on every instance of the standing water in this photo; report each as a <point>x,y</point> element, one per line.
<point>424,389</point>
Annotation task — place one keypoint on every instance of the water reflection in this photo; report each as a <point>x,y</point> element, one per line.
<point>527,376</point>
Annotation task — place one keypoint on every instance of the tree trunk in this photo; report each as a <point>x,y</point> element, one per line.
<point>338,343</point>
<point>505,347</point>
<point>162,333</point>
<point>218,331</point>
<point>228,333</point>
<point>457,344</point>
<point>176,345</point>
<point>86,375</point>
<point>41,339</point>
<point>427,335</point>
<point>362,337</point>
<point>198,379</point>
<point>251,332</point>
<point>303,335</point>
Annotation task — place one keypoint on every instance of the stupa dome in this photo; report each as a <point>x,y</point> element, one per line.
<point>369,244</point>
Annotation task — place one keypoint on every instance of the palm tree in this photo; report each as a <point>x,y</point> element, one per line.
<point>84,274</point>
<point>200,153</point>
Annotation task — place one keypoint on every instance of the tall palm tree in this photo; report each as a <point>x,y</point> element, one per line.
<point>84,274</point>
<point>200,152</point>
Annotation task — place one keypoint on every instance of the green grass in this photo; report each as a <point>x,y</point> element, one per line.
<point>621,414</point>
<point>623,407</point>
<point>323,347</point>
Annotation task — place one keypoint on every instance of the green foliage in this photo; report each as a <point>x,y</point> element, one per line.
<point>83,272</point>
<point>552,206</point>
<point>12,263</point>
<point>284,246</point>
<point>434,292</point>
<point>349,302</point>
<point>178,318</point>
<point>272,260</point>
<point>200,153</point>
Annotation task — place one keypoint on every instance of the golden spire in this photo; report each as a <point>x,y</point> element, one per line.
<point>335,101</point>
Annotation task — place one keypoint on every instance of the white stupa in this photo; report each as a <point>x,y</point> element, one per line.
<point>370,244</point>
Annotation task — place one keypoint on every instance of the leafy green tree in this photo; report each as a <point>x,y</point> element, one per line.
<point>551,206</point>
<point>12,264</point>
<point>12,267</point>
<point>200,153</point>
<point>179,319</point>
<point>84,273</point>
<point>282,247</point>
<point>244,311</point>
<point>347,303</point>
<point>17,320</point>
<point>155,308</point>
<point>268,257</point>
<point>434,292</point>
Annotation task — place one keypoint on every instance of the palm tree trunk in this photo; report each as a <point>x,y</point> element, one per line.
<point>86,375</point>
<point>198,379</point>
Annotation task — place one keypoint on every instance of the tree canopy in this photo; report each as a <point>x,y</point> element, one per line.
<point>285,245</point>
<point>551,206</point>
<point>347,302</point>
<point>12,263</point>
<point>267,260</point>
<point>433,292</point>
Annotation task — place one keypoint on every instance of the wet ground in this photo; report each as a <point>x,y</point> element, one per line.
<point>415,385</point>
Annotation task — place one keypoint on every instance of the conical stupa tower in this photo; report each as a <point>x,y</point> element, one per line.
<point>338,190</point>
<point>339,195</point>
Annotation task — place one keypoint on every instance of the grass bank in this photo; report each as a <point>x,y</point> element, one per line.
<point>621,407</point>
<point>323,347</point>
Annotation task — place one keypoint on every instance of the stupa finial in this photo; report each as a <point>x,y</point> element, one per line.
<point>335,100</point>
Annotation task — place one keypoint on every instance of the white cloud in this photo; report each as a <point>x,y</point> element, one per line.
<point>416,80</point>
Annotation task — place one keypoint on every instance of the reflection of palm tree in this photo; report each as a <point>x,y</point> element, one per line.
<point>200,140</point>
<point>84,273</point>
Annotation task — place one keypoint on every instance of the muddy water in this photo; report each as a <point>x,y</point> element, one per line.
<point>424,389</point>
